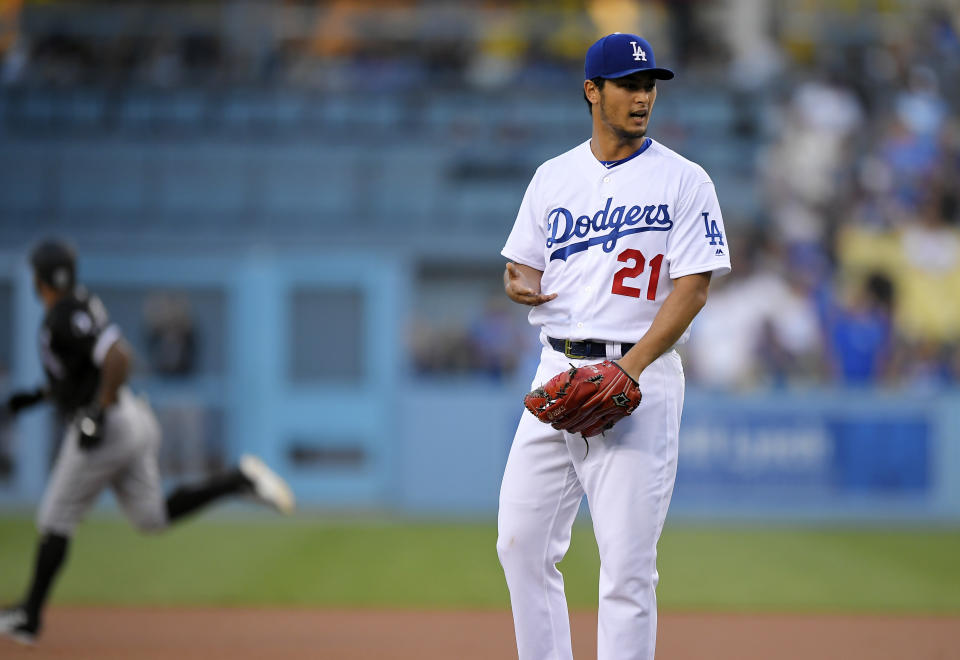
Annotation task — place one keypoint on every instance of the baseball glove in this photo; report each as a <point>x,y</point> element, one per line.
<point>587,400</point>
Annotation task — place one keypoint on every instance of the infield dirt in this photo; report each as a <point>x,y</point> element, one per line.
<point>283,634</point>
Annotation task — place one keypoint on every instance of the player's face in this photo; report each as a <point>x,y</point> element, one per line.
<point>46,294</point>
<point>626,103</point>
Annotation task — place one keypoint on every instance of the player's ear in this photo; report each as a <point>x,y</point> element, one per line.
<point>591,91</point>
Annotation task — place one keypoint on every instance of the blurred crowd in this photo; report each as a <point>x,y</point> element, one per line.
<point>851,274</point>
<point>387,45</point>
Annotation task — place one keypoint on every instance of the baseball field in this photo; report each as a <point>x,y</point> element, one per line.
<point>319,587</point>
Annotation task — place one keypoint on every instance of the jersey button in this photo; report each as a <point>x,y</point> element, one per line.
<point>606,179</point>
<point>579,325</point>
<point>587,289</point>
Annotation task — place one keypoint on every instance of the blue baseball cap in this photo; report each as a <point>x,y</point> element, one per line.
<point>620,54</point>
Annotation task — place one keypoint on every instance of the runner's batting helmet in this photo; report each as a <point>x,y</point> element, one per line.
<point>55,264</point>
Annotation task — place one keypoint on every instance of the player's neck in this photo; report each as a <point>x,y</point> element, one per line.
<point>50,297</point>
<point>607,146</point>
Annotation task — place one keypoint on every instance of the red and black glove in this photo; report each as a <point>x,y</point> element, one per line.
<point>587,400</point>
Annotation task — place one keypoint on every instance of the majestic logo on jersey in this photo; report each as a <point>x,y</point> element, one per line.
<point>609,224</point>
<point>638,53</point>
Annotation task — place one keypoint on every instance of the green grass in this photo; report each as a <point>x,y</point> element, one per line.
<point>337,563</point>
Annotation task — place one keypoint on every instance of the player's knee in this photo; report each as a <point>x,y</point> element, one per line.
<point>505,548</point>
<point>49,522</point>
<point>516,550</point>
<point>635,592</point>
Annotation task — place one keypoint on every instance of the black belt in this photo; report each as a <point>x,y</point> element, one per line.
<point>581,350</point>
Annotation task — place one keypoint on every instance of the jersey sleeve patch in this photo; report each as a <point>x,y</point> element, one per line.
<point>713,232</point>
<point>698,243</point>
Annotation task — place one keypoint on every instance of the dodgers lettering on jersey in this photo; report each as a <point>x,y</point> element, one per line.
<point>610,241</point>
<point>561,226</point>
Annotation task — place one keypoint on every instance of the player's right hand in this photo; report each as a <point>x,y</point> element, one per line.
<point>521,289</point>
<point>90,428</point>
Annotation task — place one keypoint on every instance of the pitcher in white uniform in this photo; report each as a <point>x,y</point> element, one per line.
<point>613,248</point>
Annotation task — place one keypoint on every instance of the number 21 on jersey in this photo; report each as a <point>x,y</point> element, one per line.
<point>632,271</point>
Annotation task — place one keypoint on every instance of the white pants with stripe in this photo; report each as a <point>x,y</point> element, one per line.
<point>628,477</point>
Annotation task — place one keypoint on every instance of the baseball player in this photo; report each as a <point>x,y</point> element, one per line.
<point>112,437</point>
<point>613,248</point>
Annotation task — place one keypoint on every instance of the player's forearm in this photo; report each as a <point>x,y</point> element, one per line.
<point>25,399</point>
<point>674,317</point>
<point>113,374</point>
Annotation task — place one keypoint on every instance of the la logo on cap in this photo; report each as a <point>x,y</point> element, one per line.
<point>618,55</point>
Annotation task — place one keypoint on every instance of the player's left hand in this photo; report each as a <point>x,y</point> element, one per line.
<point>19,401</point>
<point>90,427</point>
<point>587,400</point>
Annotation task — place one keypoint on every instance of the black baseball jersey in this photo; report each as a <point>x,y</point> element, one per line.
<point>75,335</point>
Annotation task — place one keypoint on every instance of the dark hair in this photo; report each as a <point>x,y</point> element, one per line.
<point>599,83</point>
<point>55,264</point>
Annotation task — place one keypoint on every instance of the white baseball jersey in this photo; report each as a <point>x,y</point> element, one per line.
<point>610,241</point>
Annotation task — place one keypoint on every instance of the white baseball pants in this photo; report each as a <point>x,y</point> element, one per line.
<point>628,477</point>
